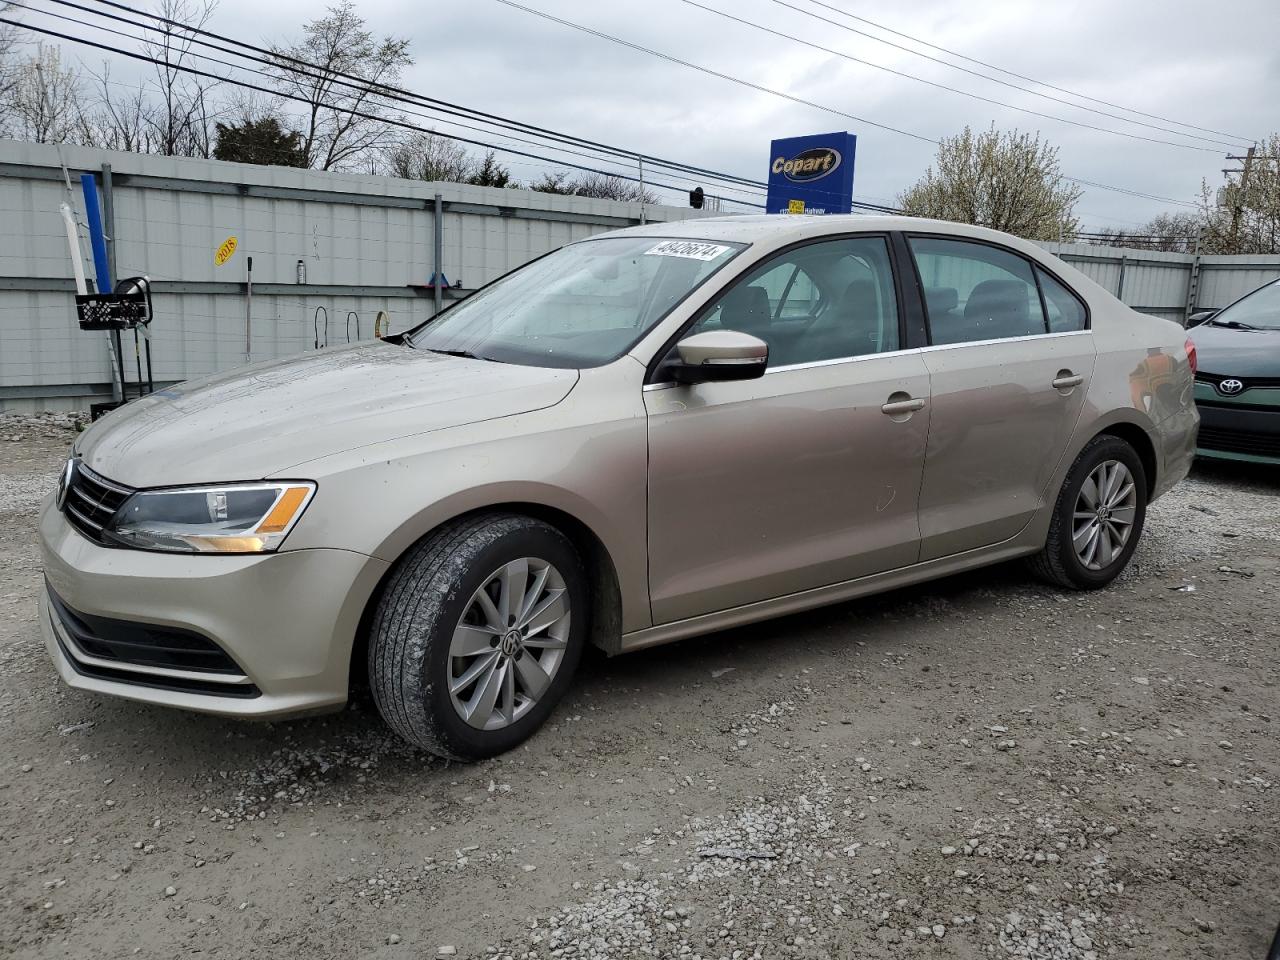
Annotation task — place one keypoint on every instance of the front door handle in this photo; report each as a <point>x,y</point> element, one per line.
<point>1065,380</point>
<point>896,408</point>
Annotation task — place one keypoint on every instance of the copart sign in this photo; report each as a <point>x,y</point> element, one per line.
<point>812,175</point>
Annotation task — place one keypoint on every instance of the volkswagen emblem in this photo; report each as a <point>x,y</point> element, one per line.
<point>1230,387</point>
<point>64,483</point>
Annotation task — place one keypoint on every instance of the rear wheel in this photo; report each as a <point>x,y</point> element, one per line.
<point>1097,519</point>
<point>478,634</point>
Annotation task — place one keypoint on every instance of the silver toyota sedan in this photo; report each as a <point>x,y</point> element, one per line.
<point>640,437</point>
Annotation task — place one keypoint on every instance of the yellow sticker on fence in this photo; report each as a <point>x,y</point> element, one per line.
<point>225,251</point>
<point>793,206</point>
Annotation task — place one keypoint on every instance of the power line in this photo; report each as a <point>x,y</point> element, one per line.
<point>786,96</point>
<point>715,73</point>
<point>272,59</point>
<point>956,90</point>
<point>367,116</point>
<point>753,191</point>
<point>278,60</point>
<point>992,66</point>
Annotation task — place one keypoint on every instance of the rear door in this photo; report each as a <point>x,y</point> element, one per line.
<point>1009,362</point>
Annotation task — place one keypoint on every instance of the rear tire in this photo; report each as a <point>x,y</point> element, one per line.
<point>1097,520</point>
<point>477,635</point>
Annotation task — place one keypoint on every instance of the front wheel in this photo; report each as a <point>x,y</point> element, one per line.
<point>477,635</point>
<point>1097,519</point>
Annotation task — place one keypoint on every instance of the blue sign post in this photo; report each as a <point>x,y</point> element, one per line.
<point>812,174</point>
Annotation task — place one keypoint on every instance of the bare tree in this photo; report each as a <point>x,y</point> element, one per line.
<point>1006,181</point>
<point>119,118</point>
<point>1170,232</point>
<point>46,102</point>
<point>425,156</point>
<point>597,185</point>
<point>341,122</point>
<point>181,115</point>
<point>8,68</point>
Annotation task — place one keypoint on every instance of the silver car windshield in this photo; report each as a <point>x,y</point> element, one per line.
<point>1259,310</point>
<point>584,305</point>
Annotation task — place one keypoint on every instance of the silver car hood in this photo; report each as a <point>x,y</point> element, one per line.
<point>265,418</point>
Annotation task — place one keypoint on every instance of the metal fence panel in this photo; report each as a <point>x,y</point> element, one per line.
<point>366,244</point>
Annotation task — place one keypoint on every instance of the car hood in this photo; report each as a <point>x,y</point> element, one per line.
<point>1237,353</point>
<point>265,418</point>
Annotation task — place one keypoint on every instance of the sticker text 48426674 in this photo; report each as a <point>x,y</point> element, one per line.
<point>689,249</point>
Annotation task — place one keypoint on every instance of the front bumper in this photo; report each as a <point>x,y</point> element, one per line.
<point>286,620</point>
<point>1239,431</point>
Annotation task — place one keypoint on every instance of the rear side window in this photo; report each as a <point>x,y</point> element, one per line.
<point>1063,308</point>
<point>976,292</point>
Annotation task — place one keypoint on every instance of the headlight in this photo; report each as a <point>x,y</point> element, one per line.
<point>232,518</point>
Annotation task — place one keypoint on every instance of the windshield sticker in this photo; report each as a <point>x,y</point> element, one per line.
<point>689,249</point>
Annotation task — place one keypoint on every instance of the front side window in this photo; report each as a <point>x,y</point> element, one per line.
<point>976,292</point>
<point>582,306</point>
<point>830,300</point>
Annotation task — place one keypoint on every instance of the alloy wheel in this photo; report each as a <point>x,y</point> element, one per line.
<point>509,643</point>
<point>1104,514</point>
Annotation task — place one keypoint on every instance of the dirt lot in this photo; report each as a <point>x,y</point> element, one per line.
<point>982,767</point>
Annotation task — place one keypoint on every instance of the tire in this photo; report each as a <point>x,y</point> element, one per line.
<point>431,609</point>
<point>1065,561</point>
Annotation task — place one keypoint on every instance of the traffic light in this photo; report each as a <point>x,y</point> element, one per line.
<point>696,198</point>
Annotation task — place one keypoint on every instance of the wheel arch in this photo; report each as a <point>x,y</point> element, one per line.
<point>602,578</point>
<point>1137,437</point>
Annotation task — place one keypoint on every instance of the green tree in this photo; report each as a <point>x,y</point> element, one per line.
<point>1005,181</point>
<point>260,141</point>
<point>490,173</point>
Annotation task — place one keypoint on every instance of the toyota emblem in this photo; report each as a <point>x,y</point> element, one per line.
<point>1230,387</point>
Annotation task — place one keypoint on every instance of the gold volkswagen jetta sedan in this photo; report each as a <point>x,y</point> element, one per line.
<point>643,436</point>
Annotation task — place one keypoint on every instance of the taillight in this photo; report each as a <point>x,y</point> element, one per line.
<point>1190,347</point>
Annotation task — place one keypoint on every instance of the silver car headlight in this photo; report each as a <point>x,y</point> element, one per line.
<point>223,518</point>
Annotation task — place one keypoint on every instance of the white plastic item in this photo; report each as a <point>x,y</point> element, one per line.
<point>73,243</point>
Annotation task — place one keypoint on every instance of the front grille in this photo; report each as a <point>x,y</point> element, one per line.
<point>146,645</point>
<point>91,501</point>
<point>1239,441</point>
<point>1213,379</point>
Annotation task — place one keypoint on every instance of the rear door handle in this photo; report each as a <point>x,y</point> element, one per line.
<point>1068,381</point>
<point>896,408</point>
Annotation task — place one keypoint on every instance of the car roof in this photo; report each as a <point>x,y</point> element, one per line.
<point>777,230</point>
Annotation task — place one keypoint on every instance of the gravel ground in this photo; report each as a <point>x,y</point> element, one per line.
<point>980,767</point>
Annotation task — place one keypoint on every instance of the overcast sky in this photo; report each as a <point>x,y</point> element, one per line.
<point>1215,66</point>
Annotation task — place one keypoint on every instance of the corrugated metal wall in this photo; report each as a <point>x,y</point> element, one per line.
<point>366,243</point>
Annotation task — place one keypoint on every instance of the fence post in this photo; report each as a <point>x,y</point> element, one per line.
<point>1193,283</point>
<point>109,228</point>
<point>438,217</point>
<point>1120,283</point>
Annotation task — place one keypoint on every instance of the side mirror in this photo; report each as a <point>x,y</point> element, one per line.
<point>1199,317</point>
<point>719,355</point>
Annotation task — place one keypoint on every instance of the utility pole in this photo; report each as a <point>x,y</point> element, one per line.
<point>1237,208</point>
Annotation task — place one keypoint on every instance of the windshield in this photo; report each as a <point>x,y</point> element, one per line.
<point>582,306</point>
<point>1260,310</point>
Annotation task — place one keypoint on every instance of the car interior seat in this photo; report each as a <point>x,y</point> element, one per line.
<point>998,308</point>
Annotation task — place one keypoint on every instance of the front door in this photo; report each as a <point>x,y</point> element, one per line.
<point>1009,369</point>
<point>809,475</point>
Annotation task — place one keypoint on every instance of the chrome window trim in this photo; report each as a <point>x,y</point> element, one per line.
<point>989,342</point>
<point>668,384</point>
